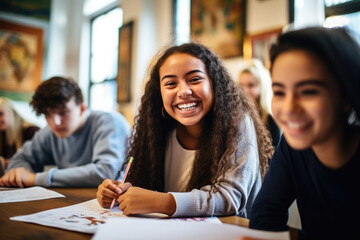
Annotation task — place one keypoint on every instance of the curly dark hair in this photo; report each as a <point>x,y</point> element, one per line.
<point>54,93</point>
<point>221,128</point>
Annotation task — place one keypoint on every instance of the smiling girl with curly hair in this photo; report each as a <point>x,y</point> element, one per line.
<point>199,147</point>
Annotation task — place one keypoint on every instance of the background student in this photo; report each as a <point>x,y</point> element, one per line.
<point>14,131</point>
<point>86,146</point>
<point>199,149</point>
<point>316,102</point>
<point>255,80</point>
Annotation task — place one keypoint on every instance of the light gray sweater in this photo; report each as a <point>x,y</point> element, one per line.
<point>237,190</point>
<point>84,159</point>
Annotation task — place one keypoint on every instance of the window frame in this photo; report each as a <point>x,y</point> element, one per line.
<point>91,83</point>
<point>342,8</point>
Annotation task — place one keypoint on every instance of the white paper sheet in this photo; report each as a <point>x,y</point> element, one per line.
<point>129,228</point>
<point>27,194</point>
<point>88,216</point>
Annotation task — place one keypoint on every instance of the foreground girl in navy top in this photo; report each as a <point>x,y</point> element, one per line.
<point>316,102</point>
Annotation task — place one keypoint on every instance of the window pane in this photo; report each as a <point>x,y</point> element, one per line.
<point>104,45</point>
<point>103,96</point>
<point>351,21</point>
<point>182,21</point>
<point>329,3</point>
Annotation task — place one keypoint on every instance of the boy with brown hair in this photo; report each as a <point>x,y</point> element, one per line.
<point>85,146</point>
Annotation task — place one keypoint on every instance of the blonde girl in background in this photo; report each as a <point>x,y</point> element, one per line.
<point>255,80</point>
<point>14,131</point>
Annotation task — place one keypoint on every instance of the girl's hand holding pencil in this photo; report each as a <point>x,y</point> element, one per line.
<point>110,189</point>
<point>122,181</point>
<point>134,200</point>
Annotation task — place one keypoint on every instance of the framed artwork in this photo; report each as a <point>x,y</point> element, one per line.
<point>261,43</point>
<point>123,78</point>
<point>219,24</point>
<point>21,53</point>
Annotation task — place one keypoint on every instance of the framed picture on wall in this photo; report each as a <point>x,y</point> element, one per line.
<point>219,24</point>
<point>261,43</point>
<point>123,78</point>
<point>21,53</point>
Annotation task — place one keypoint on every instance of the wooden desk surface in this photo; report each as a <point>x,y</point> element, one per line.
<point>20,230</point>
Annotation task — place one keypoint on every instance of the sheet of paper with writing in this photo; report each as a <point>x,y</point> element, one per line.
<point>130,228</point>
<point>86,217</point>
<point>27,194</point>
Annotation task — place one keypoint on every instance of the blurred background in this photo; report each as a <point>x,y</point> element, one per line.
<point>108,45</point>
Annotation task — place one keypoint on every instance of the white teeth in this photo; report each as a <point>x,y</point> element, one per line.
<point>187,106</point>
<point>295,125</point>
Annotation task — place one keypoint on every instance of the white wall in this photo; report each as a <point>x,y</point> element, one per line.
<point>152,32</point>
<point>266,15</point>
<point>65,35</point>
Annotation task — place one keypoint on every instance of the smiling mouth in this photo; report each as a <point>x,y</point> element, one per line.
<point>296,125</point>
<point>187,106</point>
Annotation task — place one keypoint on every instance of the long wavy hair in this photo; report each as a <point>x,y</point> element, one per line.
<point>220,133</point>
<point>15,125</point>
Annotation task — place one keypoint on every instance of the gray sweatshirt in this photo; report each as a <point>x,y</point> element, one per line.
<point>84,159</point>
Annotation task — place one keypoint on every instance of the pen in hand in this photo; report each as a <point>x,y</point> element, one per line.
<point>123,180</point>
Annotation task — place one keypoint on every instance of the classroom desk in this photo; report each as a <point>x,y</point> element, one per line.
<point>20,230</point>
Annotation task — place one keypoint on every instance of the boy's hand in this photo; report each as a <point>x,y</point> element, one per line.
<point>18,177</point>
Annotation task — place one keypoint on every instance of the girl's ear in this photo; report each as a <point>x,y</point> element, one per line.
<point>83,108</point>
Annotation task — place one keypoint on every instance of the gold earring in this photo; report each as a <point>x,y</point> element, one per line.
<point>162,112</point>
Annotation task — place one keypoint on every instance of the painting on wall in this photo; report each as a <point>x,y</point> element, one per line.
<point>219,24</point>
<point>124,63</point>
<point>261,43</point>
<point>21,52</point>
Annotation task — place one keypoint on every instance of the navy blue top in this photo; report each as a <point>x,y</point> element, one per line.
<point>274,131</point>
<point>327,199</point>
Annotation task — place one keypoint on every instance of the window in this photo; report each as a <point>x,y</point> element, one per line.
<point>329,3</point>
<point>343,13</point>
<point>182,21</point>
<point>103,59</point>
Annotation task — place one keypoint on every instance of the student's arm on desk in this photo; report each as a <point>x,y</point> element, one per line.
<point>29,159</point>
<point>18,177</point>
<point>135,200</point>
<point>19,172</point>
